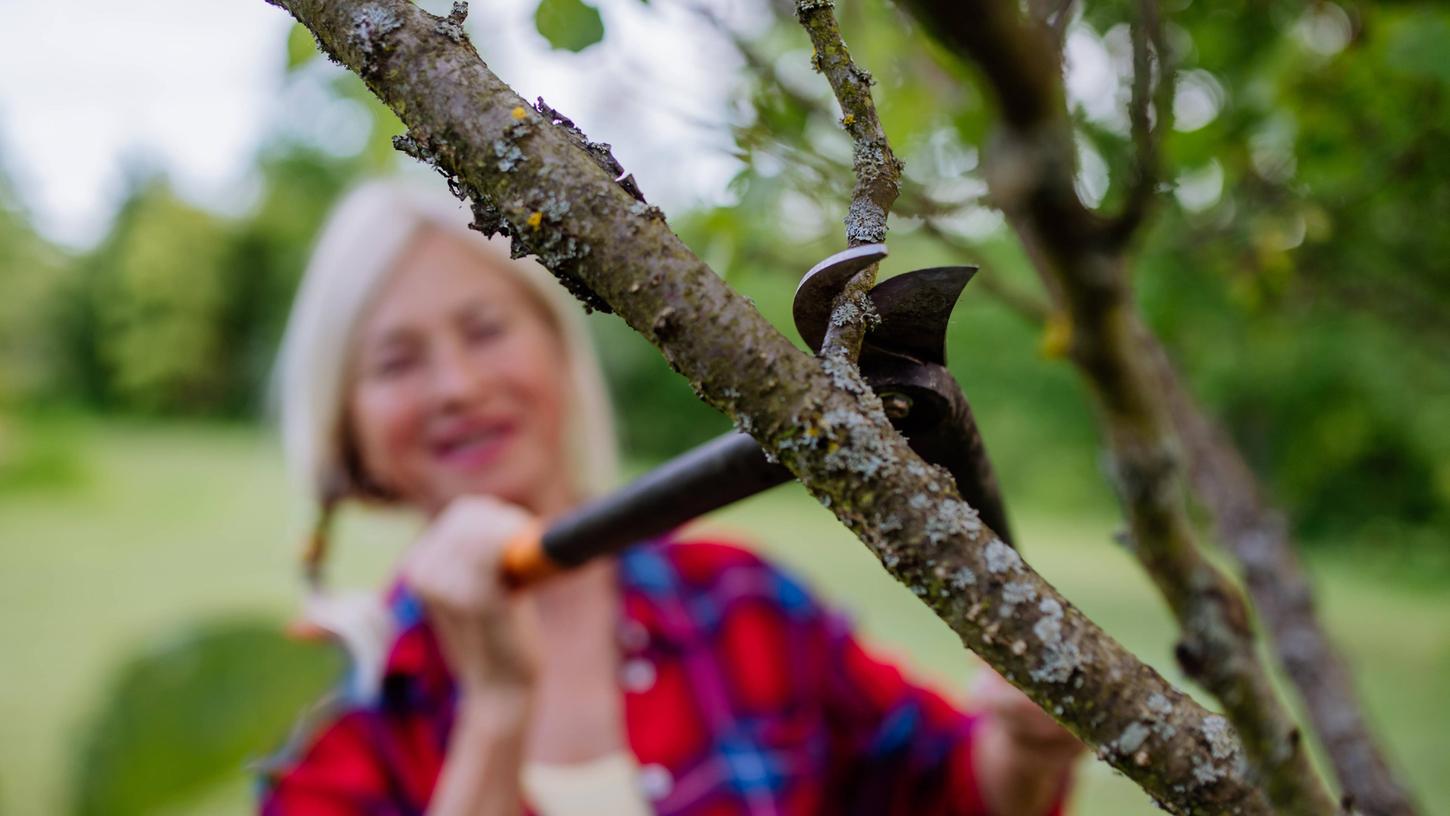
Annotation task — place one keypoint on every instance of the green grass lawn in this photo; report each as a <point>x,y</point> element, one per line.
<point>168,525</point>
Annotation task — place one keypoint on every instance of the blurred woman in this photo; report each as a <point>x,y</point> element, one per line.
<point>423,368</point>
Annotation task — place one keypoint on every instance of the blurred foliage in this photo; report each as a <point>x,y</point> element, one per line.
<point>32,276</point>
<point>186,713</point>
<point>177,310</point>
<point>33,279</point>
<point>1309,302</point>
<point>656,413</point>
<point>1296,264</point>
<point>39,452</point>
<point>158,294</point>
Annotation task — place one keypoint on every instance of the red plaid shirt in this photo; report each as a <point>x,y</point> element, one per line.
<point>742,695</point>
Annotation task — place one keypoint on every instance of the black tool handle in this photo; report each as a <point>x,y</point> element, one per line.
<point>725,470</point>
<point>718,473</point>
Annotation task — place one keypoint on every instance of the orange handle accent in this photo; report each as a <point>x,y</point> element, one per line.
<point>524,562</point>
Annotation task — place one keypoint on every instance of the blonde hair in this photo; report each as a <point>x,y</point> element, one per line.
<point>364,237</point>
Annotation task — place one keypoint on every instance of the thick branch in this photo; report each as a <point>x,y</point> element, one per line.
<point>1258,537</point>
<point>1031,173</point>
<point>878,173</point>
<point>816,415</point>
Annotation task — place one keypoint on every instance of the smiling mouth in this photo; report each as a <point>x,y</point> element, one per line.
<point>475,447</point>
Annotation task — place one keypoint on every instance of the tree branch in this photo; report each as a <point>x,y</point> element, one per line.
<point>1256,535</point>
<point>1147,128</point>
<point>1258,538</point>
<point>878,172</point>
<point>1053,15</point>
<point>1031,175</point>
<point>820,419</point>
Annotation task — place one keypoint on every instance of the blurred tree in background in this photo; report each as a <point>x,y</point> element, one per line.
<point>1300,273</point>
<point>32,274</point>
<point>178,311</point>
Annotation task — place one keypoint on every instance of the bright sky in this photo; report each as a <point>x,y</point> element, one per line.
<point>193,85</point>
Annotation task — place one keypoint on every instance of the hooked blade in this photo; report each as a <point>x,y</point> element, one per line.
<point>818,288</point>
<point>914,308</point>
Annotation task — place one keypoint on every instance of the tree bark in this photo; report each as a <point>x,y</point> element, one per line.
<point>528,176</point>
<point>1258,538</point>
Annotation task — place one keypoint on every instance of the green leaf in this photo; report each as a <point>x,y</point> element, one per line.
<point>570,25</point>
<point>189,711</point>
<point>301,47</point>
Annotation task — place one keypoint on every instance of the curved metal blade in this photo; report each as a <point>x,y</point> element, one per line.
<point>914,309</point>
<point>818,289</point>
<point>940,427</point>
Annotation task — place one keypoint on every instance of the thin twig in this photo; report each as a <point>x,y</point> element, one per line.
<point>878,172</point>
<point>913,201</point>
<point>1153,87</point>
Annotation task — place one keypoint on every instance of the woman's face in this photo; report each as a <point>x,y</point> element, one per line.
<point>459,384</point>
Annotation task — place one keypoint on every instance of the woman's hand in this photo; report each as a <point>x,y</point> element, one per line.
<point>1022,755</point>
<point>487,638</point>
<point>486,633</point>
